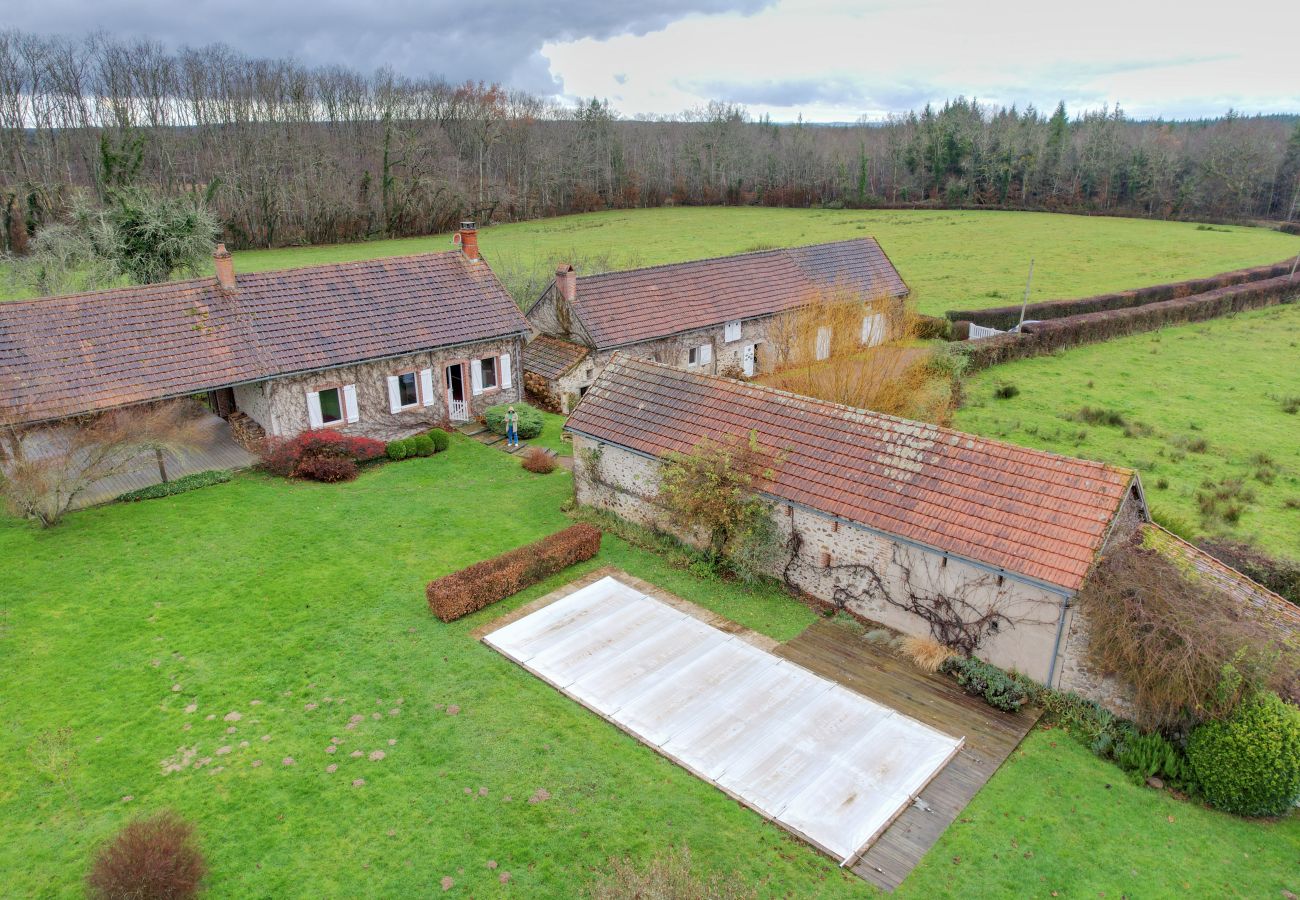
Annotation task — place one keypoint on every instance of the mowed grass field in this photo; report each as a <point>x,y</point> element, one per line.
<point>204,652</point>
<point>950,259</point>
<point>1207,413</point>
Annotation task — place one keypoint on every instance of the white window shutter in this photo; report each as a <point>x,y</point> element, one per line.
<point>706,354</point>
<point>350,411</point>
<point>426,386</point>
<point>823,342</point>
<point>314,417</point>
<point>506,379</point>
<point>873,329</point>
<point>731,332</point>
<point>476,376</point>
<point>394,395</point>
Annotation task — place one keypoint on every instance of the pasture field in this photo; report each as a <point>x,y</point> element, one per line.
<point>1208,413</point>
<point>204,651</point>
<point>950,259</point>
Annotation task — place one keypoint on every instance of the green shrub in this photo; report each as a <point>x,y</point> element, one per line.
<point>1005,391</point>
<point>530,420</point>
<point>1146,755</point>
<point>176,486</point>
<point>1249,763</point>
<point>397,450</point>
<point>979,679</point>
<point>422,445</point>
<point>441,439</point>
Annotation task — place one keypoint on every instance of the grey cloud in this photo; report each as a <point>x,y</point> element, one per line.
<point>492,41</point>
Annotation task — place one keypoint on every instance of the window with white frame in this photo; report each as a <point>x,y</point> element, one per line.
<point>700,356</point>
<point>489,372</point>
<point>731,331</point>
<point>693,356</point>
<point>824,342</point>
<point>331,405</point>
<point>408,391</point>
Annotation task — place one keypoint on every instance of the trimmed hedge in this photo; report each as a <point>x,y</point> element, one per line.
<point>1004,317</point>
<point>486,582</point>
<point>1249,763</point>
<point>530,420</point>
<point>422,444</point>
<point>176,486</point>
<point>1040,338</point>
<point>441,439</point>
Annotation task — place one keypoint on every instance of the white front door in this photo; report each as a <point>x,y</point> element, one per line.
<point>747,360</point>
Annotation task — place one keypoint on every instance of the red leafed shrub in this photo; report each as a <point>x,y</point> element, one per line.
<point>329,469</point>
<point>287,457</point>
<point>471,589</point>
<point>150,859</point>
<point>538,460</point>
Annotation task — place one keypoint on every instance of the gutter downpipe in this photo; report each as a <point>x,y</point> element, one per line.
<point>1056,646</point>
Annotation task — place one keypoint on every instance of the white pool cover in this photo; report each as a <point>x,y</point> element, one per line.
<point>819,759</point>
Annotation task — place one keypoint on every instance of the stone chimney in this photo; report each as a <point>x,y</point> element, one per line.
<point>225,267</point>
<point>566,282</point>
<point>469,241</point>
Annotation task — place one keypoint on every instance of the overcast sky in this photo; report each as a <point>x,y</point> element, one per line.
<point>827,60</point>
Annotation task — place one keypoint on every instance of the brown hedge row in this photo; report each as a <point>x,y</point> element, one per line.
<point>486,582</point>
<point>1005,317</point>
<point>1056,334</point>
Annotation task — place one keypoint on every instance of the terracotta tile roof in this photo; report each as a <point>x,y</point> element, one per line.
<point>1244,590</point>
<point>79,353</point>
<point>625,307</point>
<point>1025,511</point>
<point>551,357</point>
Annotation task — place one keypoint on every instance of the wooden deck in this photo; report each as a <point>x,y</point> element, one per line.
<point>840,653</point>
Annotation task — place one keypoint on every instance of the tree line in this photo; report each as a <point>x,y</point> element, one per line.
<point>284,153</point>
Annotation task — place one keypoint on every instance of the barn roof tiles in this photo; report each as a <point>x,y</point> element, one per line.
<point>1028,512</point>
<point>618,308</point>
<point>81,353</point>
<point>551,357</point>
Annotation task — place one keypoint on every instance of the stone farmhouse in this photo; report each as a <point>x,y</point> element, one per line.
<point>710,316</point>
<point>384,347</point>
<point>924,529</point>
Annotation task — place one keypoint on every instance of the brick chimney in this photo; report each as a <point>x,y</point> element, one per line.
<point>566,282</point>
<point>225,267</point>
<point>469,241</point>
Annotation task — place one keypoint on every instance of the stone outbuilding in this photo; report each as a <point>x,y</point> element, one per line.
<point>383,347</point>
<point>710,315</point>
<point>923,529</point>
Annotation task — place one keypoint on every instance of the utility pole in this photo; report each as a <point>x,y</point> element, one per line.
<point>1293,265</point>
<point>1024,304</point>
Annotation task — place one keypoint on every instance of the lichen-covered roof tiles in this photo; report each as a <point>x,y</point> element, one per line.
<point>81,353</point>
<point>551,357</point>
<point>619,308</point>
<point>1028,512</point>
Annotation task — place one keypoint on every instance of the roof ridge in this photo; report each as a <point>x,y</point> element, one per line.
<point>1271,594</point>
<point>803,399</point>
<point>744,254</point>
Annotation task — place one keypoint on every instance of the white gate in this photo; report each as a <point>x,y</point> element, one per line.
<point>456,409</point>
<point>979,331</point>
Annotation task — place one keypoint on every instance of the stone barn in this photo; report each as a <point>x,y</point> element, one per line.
<point>710,316</point>
<point>923,529</point>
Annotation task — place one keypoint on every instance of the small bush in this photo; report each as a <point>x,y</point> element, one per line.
<point>423,445</point>
<point>176,486</point>
<point>535,459</point>
<point>1146,756</point>
<point>530,419</point>
<point>1098,416</point>
<point>473,588</point>
<point>327,469</point>
<point>926,653</point>
<point>1249,763</point>
<point>1006,391</point>
<point>979,679</point>
<point>441,439</point>
<point>1291,405</point>
<point>666,877</point>
<point>397,450</point>
<point>150,859</point>
<point>285,457</point>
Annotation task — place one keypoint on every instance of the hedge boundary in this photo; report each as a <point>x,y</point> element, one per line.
<point>484,583</point>
<point>1049,336</point>
<point>1004,317</point>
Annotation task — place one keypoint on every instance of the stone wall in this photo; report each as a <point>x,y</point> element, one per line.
<point>837,560</point>
<point>280,404</point>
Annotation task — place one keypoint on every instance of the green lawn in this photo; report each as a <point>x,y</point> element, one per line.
<point>1222,382</point>
<point>308,598</point>
<point>950,259</point>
